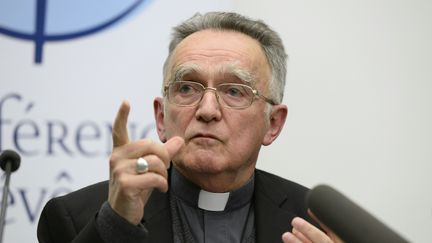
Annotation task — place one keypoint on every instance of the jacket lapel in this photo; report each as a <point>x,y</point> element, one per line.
<point>157,218</point>
<point>272,216</point>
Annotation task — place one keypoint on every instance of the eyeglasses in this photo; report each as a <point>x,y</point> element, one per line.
<point>232,95</point>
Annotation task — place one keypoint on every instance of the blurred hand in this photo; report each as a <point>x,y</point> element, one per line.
<point>128,190</point>
<point>305,232</point>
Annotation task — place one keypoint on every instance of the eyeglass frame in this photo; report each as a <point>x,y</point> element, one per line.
<point>255,92</point>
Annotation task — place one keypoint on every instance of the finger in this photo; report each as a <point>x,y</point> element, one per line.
<point>144,147</point>
<point>145,181</point>
<point>309,231</point>
<point>329,232</point>
<point>173,145</point>
<point>129,166</point>
<point>119,132</point>
<point>139,148</point>
<point>300,236</point>
<point>288,237</point>
<point>318,221</point>
<point>155,165</point>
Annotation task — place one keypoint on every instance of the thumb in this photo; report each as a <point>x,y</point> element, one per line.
<point>173,145</point>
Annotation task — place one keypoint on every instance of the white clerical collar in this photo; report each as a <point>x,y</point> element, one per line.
<point>212,201</point>
<point>194,196</point>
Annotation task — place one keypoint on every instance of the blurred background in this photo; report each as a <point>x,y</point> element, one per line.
<point>358,90</point>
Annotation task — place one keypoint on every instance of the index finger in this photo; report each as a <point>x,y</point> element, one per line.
<point>119,131</point>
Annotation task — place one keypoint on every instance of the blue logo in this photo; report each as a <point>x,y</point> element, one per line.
<point>42,21</point>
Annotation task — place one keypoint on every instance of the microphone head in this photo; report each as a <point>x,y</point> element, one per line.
<point>10,156</point>
<point>348,220</point>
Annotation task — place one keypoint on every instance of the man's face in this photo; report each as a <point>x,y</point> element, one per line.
<point>218,139</point>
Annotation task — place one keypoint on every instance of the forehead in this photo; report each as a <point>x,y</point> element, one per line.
<point>214,50</point>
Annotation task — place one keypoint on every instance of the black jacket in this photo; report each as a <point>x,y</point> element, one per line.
<point>71,218</point>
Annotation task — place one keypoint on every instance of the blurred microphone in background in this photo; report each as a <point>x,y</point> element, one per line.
<point>9,162</point>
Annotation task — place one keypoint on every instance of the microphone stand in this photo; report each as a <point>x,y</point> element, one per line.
<point>4,200</point>
<point>9,162</point>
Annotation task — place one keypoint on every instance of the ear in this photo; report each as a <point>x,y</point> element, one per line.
<point>277,118</point>
<point>158,107</point>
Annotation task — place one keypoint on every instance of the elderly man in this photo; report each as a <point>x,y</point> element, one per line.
<point>223,86</point>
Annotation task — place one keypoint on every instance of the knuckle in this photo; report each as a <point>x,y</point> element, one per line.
<point>116,172</point>
<point>162,181</point>
<point>115,135</point>
<point>113,159</point>
<point>151,158</point>
<point>112,163</point>
<point>165,173</point>
<point>122,181</point>
<point>166,155</point>
<point>145,142</point>
<point>156,179</point>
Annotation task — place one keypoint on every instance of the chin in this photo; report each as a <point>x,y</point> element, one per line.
<point>202,165</point>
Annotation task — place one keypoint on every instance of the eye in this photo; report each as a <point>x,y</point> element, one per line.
<point>234,91</point>
<point>185,88</point>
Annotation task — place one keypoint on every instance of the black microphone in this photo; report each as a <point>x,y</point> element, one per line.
<point>346,219</point>
<point>9,157</point>
<point>9,162</point>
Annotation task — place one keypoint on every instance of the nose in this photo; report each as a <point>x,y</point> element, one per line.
<point>209,108</point>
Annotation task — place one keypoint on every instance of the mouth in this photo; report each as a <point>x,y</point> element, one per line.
<point>205,136</point>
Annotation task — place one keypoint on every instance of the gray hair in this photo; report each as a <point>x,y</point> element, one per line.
<point>258,30</point>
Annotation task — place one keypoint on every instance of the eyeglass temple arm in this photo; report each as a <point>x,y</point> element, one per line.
<point>271,102</point>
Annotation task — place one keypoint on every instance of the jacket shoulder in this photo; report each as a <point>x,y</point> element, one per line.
<point>79,206</point>
<point>270,179</point>
<point>85,201</point>
<point>64,217</point>
<point>283,192</point>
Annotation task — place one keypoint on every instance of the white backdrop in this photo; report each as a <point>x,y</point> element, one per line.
<point>358,94</point>
<point>360,105</point>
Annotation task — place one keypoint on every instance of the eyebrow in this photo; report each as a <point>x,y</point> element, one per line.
<point>231,69</point>
<point>185,69</point>
<point>241,74</point>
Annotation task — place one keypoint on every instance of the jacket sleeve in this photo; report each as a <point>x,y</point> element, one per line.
<point>57,225</point>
